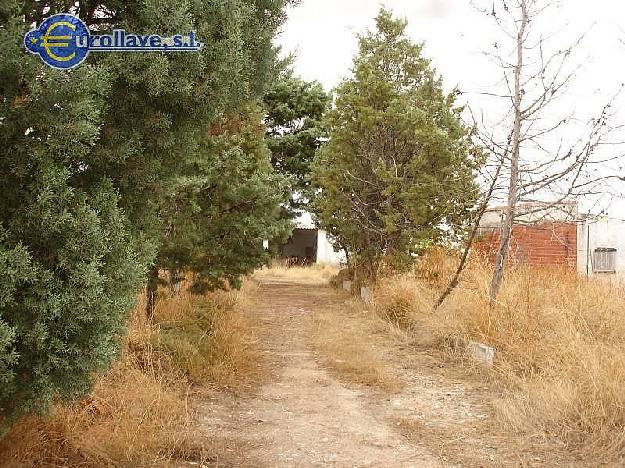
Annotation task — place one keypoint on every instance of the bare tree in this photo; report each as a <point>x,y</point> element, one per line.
<point>464,258</point>
<point>546,159</point>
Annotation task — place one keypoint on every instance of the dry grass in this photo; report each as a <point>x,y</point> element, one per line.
<point>560,344</point>
<point>318,273</point>
<point>452,445</point>
<point>349,341</point>
<point>403,301</point>
<point>139,413</point>
<point>209,339</point>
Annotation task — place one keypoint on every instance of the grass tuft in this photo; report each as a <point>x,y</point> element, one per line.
<point>348,341</point>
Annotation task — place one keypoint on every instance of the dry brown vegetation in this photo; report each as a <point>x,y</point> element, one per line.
<point>348,342</point>
<point>139,413</point>
<point>560,343</point>
<point>316,273</point>
<point>560,361</point>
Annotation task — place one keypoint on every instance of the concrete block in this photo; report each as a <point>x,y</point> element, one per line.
<point>347,286</point>
<point>481,353</point>
<point>365,294</point>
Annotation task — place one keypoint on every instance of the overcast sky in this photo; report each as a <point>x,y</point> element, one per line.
<point>322,34</point>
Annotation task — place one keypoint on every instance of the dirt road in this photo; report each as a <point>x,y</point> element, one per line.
<point>305,415</point>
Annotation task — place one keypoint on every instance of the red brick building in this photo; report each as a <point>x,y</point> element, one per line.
<point>544,244</point>
<point>542,236</point>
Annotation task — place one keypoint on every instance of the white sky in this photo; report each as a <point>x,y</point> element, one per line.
<point>322,35</point>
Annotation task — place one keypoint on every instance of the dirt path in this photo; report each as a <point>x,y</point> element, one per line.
<point>303,415</point>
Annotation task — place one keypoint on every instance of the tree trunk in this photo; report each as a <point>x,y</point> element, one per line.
<point>467,248</point>
<point>513,193</point>
<point>347,256</point>
<point>151,292</point>
<point>176,277</point>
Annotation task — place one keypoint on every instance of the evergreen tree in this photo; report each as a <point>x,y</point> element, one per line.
<point>69,268</point>
<point>397,171</point>
<point>226,204</point>
<point>294,111</point>
<point>162,105</point>
<point>90,159</point>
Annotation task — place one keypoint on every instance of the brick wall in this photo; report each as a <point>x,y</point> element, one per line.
<point>545,244</point>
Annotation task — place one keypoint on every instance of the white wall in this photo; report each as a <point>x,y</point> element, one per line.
<point>603,233</point>
<point>326,252</point>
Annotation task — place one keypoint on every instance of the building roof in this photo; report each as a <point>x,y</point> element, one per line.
<point>534,213</point>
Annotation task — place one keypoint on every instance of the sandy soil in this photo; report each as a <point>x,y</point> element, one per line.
<point>305,415</point>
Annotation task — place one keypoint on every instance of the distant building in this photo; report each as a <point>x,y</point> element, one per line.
<point>601,247</point>
<point>542,235</point>
<point>557,235</point>
<point>308,245</point>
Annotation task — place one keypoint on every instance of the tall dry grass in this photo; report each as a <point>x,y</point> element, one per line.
<point>210,339</point>
<point>317,273</point>
<point>140,413</point>
<point>560,342</point>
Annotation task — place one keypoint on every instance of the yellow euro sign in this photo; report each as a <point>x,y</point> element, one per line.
<point>48,41</point>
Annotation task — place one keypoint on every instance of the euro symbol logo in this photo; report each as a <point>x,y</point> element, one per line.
<point>56,41</point>
<point>49,41</point>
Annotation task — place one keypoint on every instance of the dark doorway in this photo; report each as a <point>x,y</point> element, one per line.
<point>301,248</point>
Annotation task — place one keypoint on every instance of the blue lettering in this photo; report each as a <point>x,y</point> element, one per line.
<point>131,41</point>
<point>82,42</point>
<point>106,41</point>
<point>118,35</point>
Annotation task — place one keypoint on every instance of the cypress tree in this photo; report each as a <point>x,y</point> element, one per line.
<point>226,205</point>
<point>294,109</point>
<point>398,170</point>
